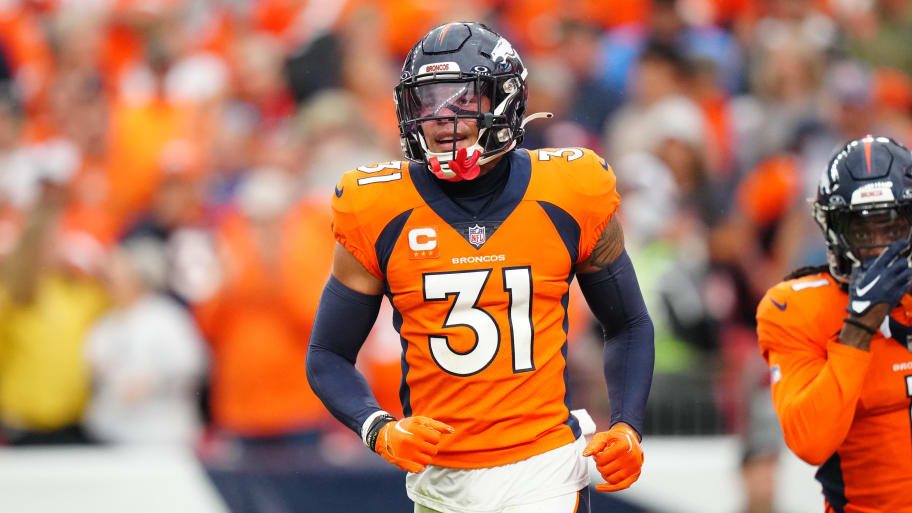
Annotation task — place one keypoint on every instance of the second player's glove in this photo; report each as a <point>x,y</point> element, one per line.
<point>880,281</point>
<point>410,443</point>
<point>618,457</point>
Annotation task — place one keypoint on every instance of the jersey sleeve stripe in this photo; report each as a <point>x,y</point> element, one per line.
<point>405,393</point>
<point>830,476</point>
<point>386,241</point>
<point>566,226</point>
<point>571,421</point>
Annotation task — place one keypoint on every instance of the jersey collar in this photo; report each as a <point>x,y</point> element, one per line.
<point>494,214</point>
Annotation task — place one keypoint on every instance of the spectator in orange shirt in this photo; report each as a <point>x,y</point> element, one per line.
<point>273,266</point>
<point>274,257</point>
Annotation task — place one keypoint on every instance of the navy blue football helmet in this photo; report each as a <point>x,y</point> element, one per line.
<point>864,201</point>
<point>445,77</point>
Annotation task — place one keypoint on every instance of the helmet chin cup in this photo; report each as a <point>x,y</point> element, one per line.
<point>458,169</point>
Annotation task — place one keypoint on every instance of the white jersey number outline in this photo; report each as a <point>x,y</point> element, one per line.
<point>467,286</point>
<point>376,168</point>
<point>575,153</point>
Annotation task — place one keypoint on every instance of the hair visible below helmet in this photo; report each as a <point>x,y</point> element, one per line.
<point>867,177</point>
<point>473,59</point>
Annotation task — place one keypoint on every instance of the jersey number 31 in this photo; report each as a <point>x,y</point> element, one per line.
<point>467,287</point>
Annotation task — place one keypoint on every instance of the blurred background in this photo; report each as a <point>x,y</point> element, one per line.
<point>165,174</point>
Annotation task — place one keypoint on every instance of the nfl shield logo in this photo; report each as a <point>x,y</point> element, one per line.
<point>775,374</point>
<point>476,235</point>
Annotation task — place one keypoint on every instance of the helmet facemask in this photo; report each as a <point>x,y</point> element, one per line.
<point>492,103</point>
<point>853,235</point>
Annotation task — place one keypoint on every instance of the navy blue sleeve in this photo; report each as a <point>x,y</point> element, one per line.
<point>343,321</point>
<point>614,297</point>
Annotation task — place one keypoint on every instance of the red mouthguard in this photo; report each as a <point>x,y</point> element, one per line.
<point>466,168</point>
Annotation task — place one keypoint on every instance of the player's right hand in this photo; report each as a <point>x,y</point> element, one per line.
<point>410,443</point>
<point>880,280</point>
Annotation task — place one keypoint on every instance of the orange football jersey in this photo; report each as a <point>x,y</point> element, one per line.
<point>481,302</point>
<point>842,408</point>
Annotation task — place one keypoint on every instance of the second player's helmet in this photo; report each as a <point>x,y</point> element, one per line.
<point>866,187</point>
<point>443,77</point>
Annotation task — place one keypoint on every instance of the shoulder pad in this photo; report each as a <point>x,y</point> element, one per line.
<point>800,300</point>
<point>579,182</point>
<point>365,201</point>
<point>581,169</point>
<point>575,175</point>
<point>365,185</point>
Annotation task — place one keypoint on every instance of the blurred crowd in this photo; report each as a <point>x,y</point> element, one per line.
<point>166,168</point>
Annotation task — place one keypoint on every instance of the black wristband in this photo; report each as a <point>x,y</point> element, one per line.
<point>374,430</point>
<point>860,325</point>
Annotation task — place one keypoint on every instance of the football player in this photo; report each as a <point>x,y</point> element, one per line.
<point>838,337</point>
<point>475,244</point>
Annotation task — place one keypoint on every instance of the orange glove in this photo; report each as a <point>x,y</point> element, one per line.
<point>618,457</point>
<point>410,443</point>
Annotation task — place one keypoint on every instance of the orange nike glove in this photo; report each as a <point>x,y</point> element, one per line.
<point>618,457</point>
<point>410,443</point>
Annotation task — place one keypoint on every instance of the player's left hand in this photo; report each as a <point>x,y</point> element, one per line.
<point>618,457</point>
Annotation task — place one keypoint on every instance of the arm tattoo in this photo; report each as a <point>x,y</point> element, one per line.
<point>609,246</point>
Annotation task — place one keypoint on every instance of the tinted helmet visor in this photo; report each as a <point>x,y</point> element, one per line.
<point>867,232</point>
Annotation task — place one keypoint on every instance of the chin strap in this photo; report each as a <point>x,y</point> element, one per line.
<point>464,167</point>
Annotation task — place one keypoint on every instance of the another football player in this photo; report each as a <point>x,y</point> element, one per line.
<point>838,337</point>
<point>475,244</point>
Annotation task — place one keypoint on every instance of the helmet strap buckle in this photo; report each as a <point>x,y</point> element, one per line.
<point>487,120</point>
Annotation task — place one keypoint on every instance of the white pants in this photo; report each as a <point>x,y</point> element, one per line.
<point>546,483</point>
<point>577,502</point>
